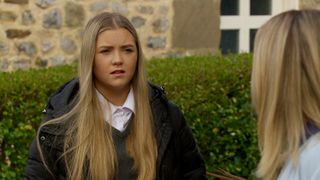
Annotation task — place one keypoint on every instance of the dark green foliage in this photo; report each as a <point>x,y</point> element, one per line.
<point>23,96</point>
<point>213,93</point>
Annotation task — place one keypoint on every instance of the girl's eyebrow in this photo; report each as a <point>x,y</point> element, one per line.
<point>104,46</point>
<point>128,46</point>
<point>109,46</point>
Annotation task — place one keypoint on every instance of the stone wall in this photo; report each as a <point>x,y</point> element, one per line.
<point>310,4</point>
<point>198,22</point>
<point>42,33</point>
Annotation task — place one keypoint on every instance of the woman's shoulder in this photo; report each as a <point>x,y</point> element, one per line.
<point>161,105</point>
<point>310,157</point>
<point>308,165</point>
<point>311,150</point>
<point>60,102</point>
<point>63,96</point>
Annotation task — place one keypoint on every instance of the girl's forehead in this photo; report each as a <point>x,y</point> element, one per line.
<point>115,36</point>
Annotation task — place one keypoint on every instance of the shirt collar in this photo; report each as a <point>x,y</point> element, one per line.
<point>128,104</point>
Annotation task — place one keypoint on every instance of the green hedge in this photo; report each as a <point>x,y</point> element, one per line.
<point>213,93</point>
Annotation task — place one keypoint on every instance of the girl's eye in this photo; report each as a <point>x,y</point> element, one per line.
<point>129,50</point>
<point>105,51</point>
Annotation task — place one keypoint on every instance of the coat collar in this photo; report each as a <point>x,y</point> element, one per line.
<point>66,96</point>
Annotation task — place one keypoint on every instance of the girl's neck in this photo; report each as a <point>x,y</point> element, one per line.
<point>116,97</point>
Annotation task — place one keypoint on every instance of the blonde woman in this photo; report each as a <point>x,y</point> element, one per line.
<point>110,123</point>
<point>286,95</point>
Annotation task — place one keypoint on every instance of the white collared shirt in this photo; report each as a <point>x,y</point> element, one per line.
<point>120,114</point>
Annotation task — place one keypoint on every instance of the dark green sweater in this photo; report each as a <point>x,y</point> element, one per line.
<point>125,162</point>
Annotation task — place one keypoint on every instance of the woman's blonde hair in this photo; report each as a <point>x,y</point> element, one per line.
<point>88,145</point>
<point>285,86</point>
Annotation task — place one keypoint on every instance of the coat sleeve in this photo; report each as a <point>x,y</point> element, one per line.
<point>35,169</point>
<point>193,165</point>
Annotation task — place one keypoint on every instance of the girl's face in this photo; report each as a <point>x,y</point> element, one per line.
<point>115,60</point>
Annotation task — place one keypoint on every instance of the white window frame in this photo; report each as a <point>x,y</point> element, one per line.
<point>244,21</point>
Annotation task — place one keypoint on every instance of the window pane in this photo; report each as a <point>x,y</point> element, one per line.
<point>252,36</point>
<point>260,7</point>
<point>229,7</point>
<point>229,41</point>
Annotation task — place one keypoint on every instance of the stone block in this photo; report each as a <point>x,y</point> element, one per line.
<point>41,62</point>
<point>74,14</point>
<point>45,3</point>
<point>21,63</point>
<point>7,16</point>
<point>27,18</point>
<point>119,8</point>
<point>68,45</point>
<point>46,45</point>
<point>163,10</point>
<point>17,33</point>
<point>4,48</point>
<point>138,21</point>
<point>57,60</point>
<point>73,59</point>
<point>98,6</point>
<point>156,42</point>
<point>175,53</point>
<point>52,19</point>
<point>4,64</point>
<point>17,1</point>
<point>28,48</point>
<point>160,25</point>
<point>144,9</point>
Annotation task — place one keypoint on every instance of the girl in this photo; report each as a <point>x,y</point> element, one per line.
<point>286,95</point>
<point>110,123</point>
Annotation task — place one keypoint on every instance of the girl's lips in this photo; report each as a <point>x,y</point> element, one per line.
<point>117,72</point>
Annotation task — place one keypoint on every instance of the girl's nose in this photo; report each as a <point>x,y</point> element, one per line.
<point>117,58</point>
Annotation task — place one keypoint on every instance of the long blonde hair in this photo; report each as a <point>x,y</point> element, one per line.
<point>88,144</point>
<point>285,86</point>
